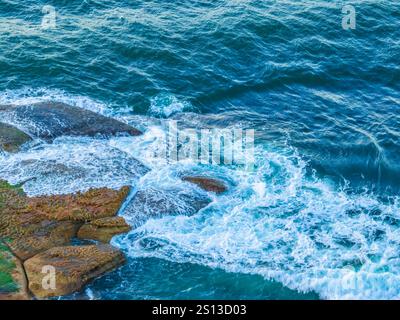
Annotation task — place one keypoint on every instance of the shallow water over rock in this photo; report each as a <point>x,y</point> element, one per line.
<point>152,203</point>
<point>49,120</point>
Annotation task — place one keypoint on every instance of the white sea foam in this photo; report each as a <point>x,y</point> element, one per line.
<point>166,105</point>
<point>276,221</point>
<point>285,225</point>
<point>69,165</point>
<point>30,96</point>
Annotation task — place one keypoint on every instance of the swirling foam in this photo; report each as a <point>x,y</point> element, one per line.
<point>165,105</point>
<point>286,225</point>
<point>278,221</point>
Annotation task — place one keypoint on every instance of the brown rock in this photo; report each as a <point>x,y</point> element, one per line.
<point>44,235</point>
<point>46,224</point>
<point>32,225</point>
<point>208,184</point>
<point>103,229</point>
<point>11,138</point>
<point>74,267</point>
<point>93,204</point>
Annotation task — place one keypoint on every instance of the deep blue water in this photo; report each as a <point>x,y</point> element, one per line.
<point>319,214</point>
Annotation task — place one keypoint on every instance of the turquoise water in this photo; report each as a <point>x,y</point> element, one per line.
<point>318,217</point>
<point>168,280</point>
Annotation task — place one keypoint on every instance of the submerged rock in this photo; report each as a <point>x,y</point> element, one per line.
<point>206,183</point>
<point>74,267</point>
<point>103,229</point>
<point>64,168</point>
<point>11,138</point>
<point>152,203</point>
<point>49,120</point>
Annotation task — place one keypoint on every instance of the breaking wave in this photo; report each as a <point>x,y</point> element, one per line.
<point>281,220</point>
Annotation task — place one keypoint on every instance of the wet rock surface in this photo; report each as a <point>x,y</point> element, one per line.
<point>152,203</point>
<point>49,120</point>
<point>57,169</point>
<point>207,183</point>
<point>11,138</point>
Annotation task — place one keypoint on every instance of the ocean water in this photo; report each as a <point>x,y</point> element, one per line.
<point>317,218</point>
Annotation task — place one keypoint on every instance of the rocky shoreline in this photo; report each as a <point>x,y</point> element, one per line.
<point>38,234</point>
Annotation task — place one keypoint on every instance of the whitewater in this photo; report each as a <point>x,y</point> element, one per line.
<point>281,220</point>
